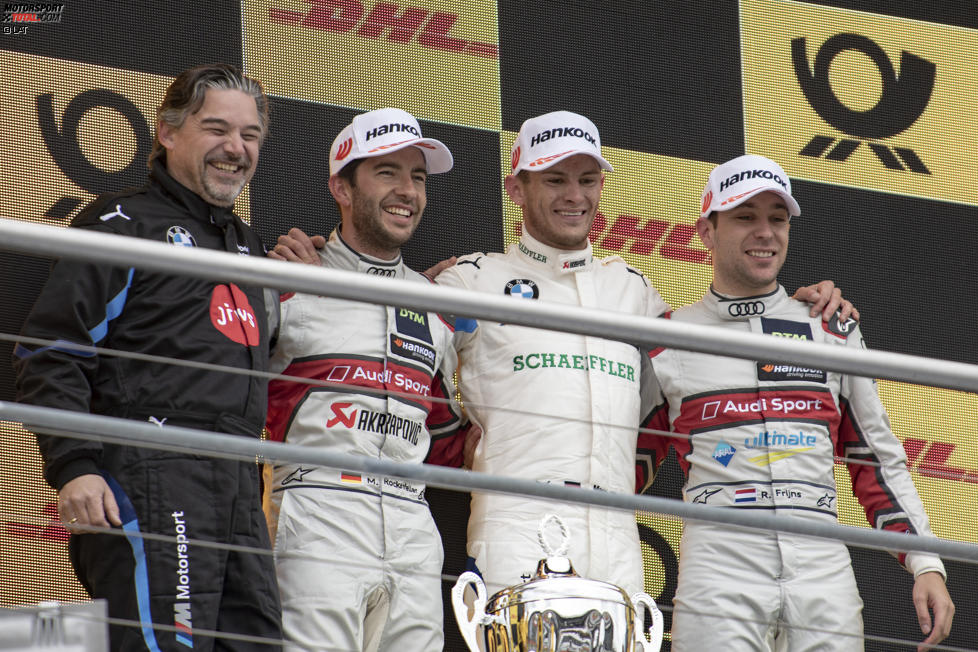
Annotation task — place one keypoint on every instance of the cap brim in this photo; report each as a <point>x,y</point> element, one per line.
<point>437,157</point>
<point>793,208</point>
<point>554,160</point>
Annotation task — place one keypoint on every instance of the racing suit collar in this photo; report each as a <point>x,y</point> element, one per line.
<point>743,308</point>
<point>560,261</point>
<point>180,194</point>
<point>338,254</point>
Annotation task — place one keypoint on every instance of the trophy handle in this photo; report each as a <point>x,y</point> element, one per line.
<point>470,628</point>
<point>655,631</point>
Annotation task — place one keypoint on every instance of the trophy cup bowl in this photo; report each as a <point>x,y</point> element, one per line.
<point>556,611</point>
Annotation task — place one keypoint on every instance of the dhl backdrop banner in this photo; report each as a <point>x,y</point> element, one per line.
<point>870,113</point>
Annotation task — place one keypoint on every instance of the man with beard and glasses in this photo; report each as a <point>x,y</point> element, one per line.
<point>359,558</point>
<point>764,436</point>
<point>210,127</point>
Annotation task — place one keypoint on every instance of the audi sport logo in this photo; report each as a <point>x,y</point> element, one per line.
<point>382,271</point>
<point>746,308</point>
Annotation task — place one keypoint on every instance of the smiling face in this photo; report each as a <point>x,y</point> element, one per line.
<point>560,202</point>
<point>215,151</point>
<point>749,244</point>
<point>382,205</point>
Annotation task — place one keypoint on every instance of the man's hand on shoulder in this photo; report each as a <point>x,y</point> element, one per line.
<point>930,596</point>
<point>297,247</point>
<point>436,269</point>
<point>87,501</point>
<point>827,299</point>
<point>472,438</point>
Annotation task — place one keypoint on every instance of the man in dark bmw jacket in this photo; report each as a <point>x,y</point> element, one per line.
<point>210,127</point>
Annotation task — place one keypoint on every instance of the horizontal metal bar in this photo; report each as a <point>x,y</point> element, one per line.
<point>123,431</point>
<point>80,244</point>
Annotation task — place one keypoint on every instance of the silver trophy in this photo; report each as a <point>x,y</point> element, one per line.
<point>556,611</point>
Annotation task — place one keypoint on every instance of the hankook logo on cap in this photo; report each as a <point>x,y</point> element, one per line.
<point>516,158</point>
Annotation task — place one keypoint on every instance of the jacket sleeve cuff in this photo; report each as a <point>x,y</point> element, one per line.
<point>919,563</point>
<point>73,469</point>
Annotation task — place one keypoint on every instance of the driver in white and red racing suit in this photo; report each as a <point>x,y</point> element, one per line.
<point>765,436</point>
<point>358,557</point>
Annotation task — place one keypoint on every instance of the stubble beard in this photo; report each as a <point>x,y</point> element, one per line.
<point>370,227</point>
<point>221,194</point>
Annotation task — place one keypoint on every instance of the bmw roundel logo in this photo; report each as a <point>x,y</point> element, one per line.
<point>180,236</point>
<point>522,288</point>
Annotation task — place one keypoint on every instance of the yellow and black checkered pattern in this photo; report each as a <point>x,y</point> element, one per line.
<point>871,115</point>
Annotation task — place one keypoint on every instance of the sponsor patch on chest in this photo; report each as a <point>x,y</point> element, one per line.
<point>413,350</point>
<point>786,372</point>
<point>412,324</point>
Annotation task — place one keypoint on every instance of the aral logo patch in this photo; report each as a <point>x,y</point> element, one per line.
<point>232,314</point>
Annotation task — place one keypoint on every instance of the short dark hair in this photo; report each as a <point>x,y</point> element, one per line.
<point>186,95</point>
<point>349,174</point>
<point>349,171</point>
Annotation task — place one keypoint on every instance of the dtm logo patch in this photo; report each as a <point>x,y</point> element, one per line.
<point>522,288</point>
<point>780,372</point>
<point>232,314</point>
<point>180,236</point>
<point>413,324</point>
<point>786,328</point>
<point>723,453</point>
<point>412,350</point>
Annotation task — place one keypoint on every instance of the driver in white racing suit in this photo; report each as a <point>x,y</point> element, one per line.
<point>554,407</point>
<point>358,557</point>
<point>765,436</point>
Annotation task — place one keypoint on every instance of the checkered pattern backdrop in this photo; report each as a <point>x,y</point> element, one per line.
<point>867,105</point>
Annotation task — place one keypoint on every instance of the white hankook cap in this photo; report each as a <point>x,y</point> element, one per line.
<point>736,181</point>
<point>383,131</point>
<point>552,137</point>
